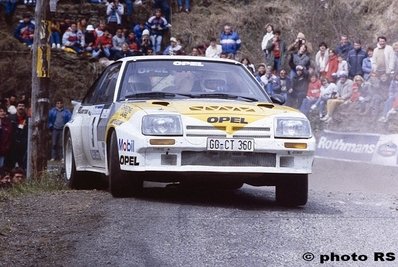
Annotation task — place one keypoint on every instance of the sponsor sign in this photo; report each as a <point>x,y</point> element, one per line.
<point>361,147</point>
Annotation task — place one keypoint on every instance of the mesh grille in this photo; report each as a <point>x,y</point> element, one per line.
<point>234,159</point>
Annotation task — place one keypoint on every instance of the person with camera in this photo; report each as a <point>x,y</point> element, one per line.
<point>114,11</point>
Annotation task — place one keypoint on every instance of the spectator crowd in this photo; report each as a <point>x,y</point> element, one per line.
<point>316,80</point>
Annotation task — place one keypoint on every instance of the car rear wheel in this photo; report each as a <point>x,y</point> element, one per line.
<point>121,184</point>
<point>292,190</point>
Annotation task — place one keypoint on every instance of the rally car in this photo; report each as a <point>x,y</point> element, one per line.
<point>186,119</point>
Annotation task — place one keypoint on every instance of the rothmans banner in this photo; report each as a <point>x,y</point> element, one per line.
<point>360,147</point>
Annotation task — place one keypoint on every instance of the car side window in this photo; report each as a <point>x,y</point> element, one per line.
<point>104,88</point>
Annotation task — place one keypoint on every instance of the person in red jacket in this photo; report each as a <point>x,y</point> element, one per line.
<point>313,93</point>
<point>332,66</point>
<point>5,136</point>
<point>103,45</point>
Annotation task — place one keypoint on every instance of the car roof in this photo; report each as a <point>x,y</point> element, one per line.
<point>168,57</point>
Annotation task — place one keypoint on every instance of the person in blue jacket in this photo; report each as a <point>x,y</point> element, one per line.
<point>57,118</point>
<point>230,42</point>
<point>25,30</point>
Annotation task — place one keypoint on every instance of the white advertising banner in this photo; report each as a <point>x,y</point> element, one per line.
<point>360,147</point>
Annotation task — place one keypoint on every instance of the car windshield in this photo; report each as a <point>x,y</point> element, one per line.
<point>176,78</point>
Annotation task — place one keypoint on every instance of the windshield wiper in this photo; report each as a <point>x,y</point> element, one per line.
<point>155,95</point>
<point>225,96</point>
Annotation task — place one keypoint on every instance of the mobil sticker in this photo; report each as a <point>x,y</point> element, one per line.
<point>126,145</point>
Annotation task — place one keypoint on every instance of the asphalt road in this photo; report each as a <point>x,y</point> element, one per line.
<point>350,219</point>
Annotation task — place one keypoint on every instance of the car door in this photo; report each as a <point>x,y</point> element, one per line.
<point>97,105</point>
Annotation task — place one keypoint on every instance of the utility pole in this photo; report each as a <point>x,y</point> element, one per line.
<point>38,131</point>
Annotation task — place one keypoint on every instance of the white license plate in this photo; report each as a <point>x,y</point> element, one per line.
<point>230,144</point>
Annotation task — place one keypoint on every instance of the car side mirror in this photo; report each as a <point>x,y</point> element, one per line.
<point>278,99</point>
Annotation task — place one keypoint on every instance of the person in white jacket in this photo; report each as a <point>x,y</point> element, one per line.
<point>114,12</point>
<point>268,36</point>
<point>383,57</point>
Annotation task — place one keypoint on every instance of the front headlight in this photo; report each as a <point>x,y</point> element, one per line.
<point>161,125</point>
<point>292,128</point>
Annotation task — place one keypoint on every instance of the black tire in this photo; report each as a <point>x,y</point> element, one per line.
<point>292,190</point>
<point>75,179</point>
<point>121,183</point>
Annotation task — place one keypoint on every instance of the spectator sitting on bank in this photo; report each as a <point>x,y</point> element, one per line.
<point>326,91</point>
<point>57,118</point>
<point>392,95</point>
<point>342,65</point>
<point>103,44</point>
<point>65,25</point>
<point>99,31</point>
<point>133,44</point>
<point>118,40</point>
<point>89,38</point>
<point>286,83</point>
<point>174,48</point>
<point>246,62</point>
<point>125,52</point>
<point>146,43</point>
<point>73,39</point>
<point>25,30</point>
<point>17,176</point>
<point>313,93</point>
<point>213,50</point>
<point>55,36</point>
<point>344,92</point>
<point>195,52</point>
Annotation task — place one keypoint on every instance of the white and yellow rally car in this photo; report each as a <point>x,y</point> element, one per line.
<point>186,119</point>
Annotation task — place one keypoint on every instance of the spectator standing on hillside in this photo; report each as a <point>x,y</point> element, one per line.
<point>114,12</point>
<point>344,92</point>
<point>19,143</point>
<point>344,47</point>
<point>383,57</point>
<point>276,52</point>
<point>297,93</point>
<point>269,34</point>
<point>25,30</point>
<point>300,58</point>
<point>213,50</point>
<point>158,25</point>
<point>355,59</point>
<point>230,41</point>
<point>187,7</point>
<point>367,63</point>
<point>322,59</point>
<point>332,66</point>
<point>74,39</point>
<point>260,72</point>
<point>5,136</point>
<point>164,6</point>
<point>58,116</point>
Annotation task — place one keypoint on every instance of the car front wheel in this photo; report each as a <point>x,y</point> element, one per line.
<point>121,183</point>
<point>292,190</point>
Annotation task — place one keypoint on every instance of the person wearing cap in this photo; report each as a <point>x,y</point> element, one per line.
<point>158,25</point>
<point>174,48</point>
<point>343,93</point>
<point>25,30</point>
<point>89,38</point>
<point>298,92</point>
<point>146,44</point>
